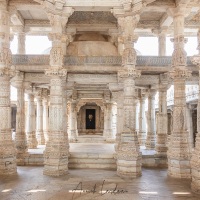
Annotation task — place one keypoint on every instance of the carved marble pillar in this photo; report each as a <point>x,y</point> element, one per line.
<point>178,151</point>
<point>39,124</point>
<point>45,116</point>
<point>128,153</point>
<point>195,160</point>
<point>20,136</point>
<point>151,125</point>
<point>142,119</point>
<point>117,96</point>
<point>57,151</point>
<point>7,148</point>
<point>162,122</point>
<point>31,126</point>
<point>74,130</point>
<point>107,133</point>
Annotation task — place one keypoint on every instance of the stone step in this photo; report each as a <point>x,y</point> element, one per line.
<point>92,161</point>
<point>90,139</point>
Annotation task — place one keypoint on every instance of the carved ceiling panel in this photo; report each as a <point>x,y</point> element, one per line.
<point>92,18</point>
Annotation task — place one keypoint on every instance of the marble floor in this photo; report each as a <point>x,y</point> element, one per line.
<point>93,184</point>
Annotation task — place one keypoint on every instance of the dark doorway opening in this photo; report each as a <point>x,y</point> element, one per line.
<point>90,118</point>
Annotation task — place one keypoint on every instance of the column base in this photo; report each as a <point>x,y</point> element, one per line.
<point>55,170</point>
<point>20,158</point>
<point>179,168</point>
<point>40,138</point>
<point>142,138</point>
<point>129,158</point>
<point>56,158</point>
<point>195,186</point>
<point>7,158</point>
<point>195,166</point>
<point>161,150</point>
<point>129,169</point>
<point>31,140</point>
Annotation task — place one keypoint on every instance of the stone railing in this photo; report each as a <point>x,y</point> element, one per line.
<point>157,61</point>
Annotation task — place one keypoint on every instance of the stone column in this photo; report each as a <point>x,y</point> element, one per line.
<point>45,115</point>
<point>142,119</point>
<point>107,133</point>
<point>31,126</point>
<point>178,151</point>
<point>7,148</point>
<point>74,130</point>
<point>128,154</point>
<point>21,37</point>
<point>162,120</point>
<point>39,120</point>
<point>162,44</point>
<point>137,116</point>
<point>117,96</point>
<point>20,136</point>
<point>195,160</point>
<point>56,152</point>
<point>151,124</point>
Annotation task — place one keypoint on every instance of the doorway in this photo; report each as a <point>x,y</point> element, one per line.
<point>90,118</point>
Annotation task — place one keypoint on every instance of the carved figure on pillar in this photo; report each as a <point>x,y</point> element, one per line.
<point>7,148</point>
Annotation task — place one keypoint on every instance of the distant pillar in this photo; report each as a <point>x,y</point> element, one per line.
<point>151,128</point>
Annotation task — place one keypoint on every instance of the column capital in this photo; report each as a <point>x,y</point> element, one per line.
<point>18,80</point>
<point>180,73</point>
<point>129,72</point>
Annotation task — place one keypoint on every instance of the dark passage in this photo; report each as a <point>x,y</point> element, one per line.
<point>90,118</point>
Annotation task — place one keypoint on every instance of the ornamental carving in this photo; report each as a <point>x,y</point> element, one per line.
<point>179,56</point>
<point>180,73</point>
<point>56,57</point>
<point>129,57</point>
<point>5,57</point>
<point>129,72</point>
<point>56,72</point>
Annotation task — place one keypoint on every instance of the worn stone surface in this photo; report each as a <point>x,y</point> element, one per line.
<point>48,188</point>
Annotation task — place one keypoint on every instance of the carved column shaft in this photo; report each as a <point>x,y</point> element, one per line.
<point>178,150</point>
<point>56,152</point>
<point>151,128</point>
<point>142,122</point>
<point>74,130</point>
<point>45,118</point>
<point>39,125</point>
<point>21,49</point>
<point>108,122</point>
<point>162,44</point>
<point>195,160</point>
<point>20,136</point>
<point>162,124</point>
<point>7,149</point>
<point>31,126</point>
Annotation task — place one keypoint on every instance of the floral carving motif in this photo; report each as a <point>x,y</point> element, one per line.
<point>56,57</point>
